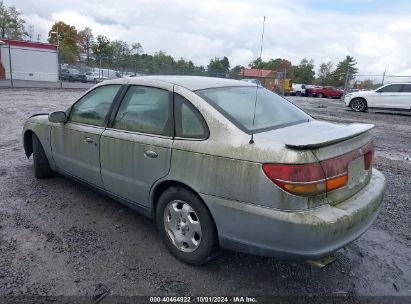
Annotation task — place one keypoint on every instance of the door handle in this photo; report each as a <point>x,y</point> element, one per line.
<point>88,140</point>
<point>150,154</point>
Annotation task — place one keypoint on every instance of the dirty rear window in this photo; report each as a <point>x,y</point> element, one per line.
<point>237,105</point>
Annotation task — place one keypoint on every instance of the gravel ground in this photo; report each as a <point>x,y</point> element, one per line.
<point>57,237</point>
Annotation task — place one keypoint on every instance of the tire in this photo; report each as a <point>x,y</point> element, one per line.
<point>41,167</point>
<point>95,80</point>
<point>320,95</point>
<point>298,93</point>
<point>186,226</point>
<point>358,104</point>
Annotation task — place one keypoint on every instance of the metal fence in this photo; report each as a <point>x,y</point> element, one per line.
<point>30,64</point>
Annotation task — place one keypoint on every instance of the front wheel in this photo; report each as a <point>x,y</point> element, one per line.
<point>186,226</point>
<point>358,105</point>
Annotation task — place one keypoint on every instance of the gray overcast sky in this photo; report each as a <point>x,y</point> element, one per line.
<point>377,33</point>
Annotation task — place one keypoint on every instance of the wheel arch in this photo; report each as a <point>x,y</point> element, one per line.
<point>166,184</point>
<point>163,186</point>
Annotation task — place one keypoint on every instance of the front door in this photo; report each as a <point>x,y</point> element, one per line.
<point>135,150</point>
<point>406,96</point>
<point>76,144</point>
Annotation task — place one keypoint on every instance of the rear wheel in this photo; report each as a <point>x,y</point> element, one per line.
<point>41,165</point>
<point>186,226</point>
<point>358,104</point>
<point>298,93</point>
<point>320,95</point>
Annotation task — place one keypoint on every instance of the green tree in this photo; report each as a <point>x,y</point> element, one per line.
<point>11,23</point>
<point>257,64</point>
<point>218,67</point>
<point>67,38</point>
<point>344,66</point>
<point>101,48</point>
<point>326,73</point>
<point>85,40</point>
<point>120,53</point>
<point>304,72</point>
<point>278,65</point>
<point>163,63</point>
<point>235,71</point>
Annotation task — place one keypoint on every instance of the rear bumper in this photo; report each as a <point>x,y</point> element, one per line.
<point>304,234</point>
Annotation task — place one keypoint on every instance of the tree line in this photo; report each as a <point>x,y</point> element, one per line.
<point>83,46</point>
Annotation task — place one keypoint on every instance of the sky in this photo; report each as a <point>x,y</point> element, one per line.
<point>376,33</point>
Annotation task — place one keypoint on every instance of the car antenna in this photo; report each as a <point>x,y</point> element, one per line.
<point>256,88</point>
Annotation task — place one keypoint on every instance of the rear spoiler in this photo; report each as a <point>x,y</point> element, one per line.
<point>328,137</point>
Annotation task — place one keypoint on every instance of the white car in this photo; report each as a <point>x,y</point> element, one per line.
<point>299,89</point>
<point>94,77</point>
<point>393,96</point>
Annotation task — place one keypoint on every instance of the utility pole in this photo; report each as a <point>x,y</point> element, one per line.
<point>346,84</point>
<point>11,68</point>
<point>58,57</point>
<point>383,77</point>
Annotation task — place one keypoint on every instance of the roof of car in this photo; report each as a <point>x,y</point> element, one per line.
<point>192,83</point>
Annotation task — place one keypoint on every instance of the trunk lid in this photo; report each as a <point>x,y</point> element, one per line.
<point>339,149</point>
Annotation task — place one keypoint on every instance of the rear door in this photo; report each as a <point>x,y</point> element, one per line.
<point>135,149</point>
<point>75,144</point>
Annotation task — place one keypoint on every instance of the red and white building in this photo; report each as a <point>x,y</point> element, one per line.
<point>29,60</point>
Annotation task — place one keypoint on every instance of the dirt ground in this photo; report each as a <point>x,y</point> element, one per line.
<point>57,237</point>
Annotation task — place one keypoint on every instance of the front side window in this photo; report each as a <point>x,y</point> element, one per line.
<point>237,105</point>
<point>92,108</point>
<point>145,110</point>
<point>392,88</point>
<point>406,88</point>
<point>188,121</point>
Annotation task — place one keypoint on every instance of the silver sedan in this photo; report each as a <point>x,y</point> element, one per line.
<point>217,163</point>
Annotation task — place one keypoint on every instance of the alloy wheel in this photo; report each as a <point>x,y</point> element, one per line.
<point>358,105</point>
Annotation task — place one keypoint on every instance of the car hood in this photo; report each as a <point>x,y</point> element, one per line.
<point>361,93</point>
<point>314,134</point>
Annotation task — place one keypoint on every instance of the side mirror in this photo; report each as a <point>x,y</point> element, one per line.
<point>58,117</point>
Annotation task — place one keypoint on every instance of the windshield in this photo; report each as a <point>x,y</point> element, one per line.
<point>237,105</point>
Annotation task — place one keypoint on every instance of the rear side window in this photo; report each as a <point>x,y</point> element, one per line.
<point>92,108</point>
<point>189,123</point>
<point>145,110</point>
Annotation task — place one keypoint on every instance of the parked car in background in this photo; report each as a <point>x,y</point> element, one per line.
<point>213,167</point>
<point>298,89</point>
<point>322,92</point>
<point>252,80</point>
<point>393,96</point>
<point>94,77</point>
<point>72,75</point>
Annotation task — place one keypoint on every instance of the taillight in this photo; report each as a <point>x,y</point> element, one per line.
<point>368,155</point>
<point>317,178</point>
<point>306,180</point>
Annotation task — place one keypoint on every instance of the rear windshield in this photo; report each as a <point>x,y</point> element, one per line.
<point>237,105</point>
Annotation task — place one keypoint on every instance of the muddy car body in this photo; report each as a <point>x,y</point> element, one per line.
<point>300,188</point>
